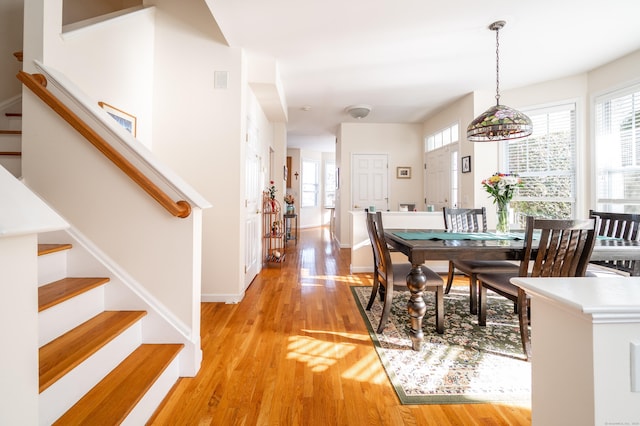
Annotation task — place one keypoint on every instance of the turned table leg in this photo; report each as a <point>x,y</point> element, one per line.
<point>416,281</point>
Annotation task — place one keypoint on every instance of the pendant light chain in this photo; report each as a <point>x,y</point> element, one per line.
<point>500,122</point>
<point>497,67</point>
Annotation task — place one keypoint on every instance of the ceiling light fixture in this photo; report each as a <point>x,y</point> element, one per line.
<point>358,111</point>
<point>499,122</point>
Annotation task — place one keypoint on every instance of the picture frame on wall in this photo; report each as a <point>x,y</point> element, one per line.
<point>124,119</point>
<point>403,172</point>
<point>466,164</point>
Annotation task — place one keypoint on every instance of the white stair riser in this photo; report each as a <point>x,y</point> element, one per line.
<point>64,393</point>
<point>59,319</point>
<point>10,142</point>
<point>14,123</point>
<point>154,396</point>
<point>52,267</point>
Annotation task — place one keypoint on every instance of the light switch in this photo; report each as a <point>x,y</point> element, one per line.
<point>635,366</point>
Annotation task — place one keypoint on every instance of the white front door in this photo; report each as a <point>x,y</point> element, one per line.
<point>369,181</point>
<point>437,176</point>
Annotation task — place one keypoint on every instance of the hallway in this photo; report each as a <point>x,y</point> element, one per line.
<point>295,351</point>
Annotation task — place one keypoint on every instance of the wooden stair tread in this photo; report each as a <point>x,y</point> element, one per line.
<point>19,55</point>
<point>58,291</point>
<point>10,132</point>
<point>12,153</point>
<point>63,354</point>
<point>111,400</point>
<point>52,248</point>
<point>13,114</point>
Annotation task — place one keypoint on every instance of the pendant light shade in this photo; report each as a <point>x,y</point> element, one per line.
<point>499,122</point>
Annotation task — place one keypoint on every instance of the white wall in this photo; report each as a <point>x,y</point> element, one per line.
<point>11,36</point>
<point>111,61</point>
<point>402,142</point>
<point>19,325</point>
<point>198,131</point>
<point>296,167</point>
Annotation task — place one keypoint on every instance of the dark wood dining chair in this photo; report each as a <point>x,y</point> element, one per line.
<point>563,250</point>
<point>617,225</point>
<point>471,220</point>
<point>388,276</point>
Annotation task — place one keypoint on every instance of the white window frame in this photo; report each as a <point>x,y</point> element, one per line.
<point>447,136</point>
<point>303,190</point>
<point>329,185</point>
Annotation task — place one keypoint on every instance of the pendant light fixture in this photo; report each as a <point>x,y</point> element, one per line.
<point>499,122</point>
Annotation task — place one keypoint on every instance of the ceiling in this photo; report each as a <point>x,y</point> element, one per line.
<point>406,59</point>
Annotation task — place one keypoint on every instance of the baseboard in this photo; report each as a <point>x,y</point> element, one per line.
<point>230,299</point>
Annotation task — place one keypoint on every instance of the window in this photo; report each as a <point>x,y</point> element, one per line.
<point>454,180</point>
<point>310,181</point>
<point>546,162</point>
<point>329,183</point>
<point>442,138</point>
<point>617,151</point>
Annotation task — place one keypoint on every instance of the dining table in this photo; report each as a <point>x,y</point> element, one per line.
<point>420,245</point>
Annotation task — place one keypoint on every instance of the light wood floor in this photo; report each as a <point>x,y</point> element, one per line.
<point>296,351</point>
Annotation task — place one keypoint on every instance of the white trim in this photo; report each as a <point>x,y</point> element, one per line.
<point>230,299</point>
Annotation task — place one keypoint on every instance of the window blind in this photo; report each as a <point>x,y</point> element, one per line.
<point>546,162</point>
<point>617,151</point>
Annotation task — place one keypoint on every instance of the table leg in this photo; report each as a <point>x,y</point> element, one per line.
<point>416,281</point>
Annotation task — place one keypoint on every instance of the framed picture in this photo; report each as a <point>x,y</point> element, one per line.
<point>466,164</point>
<point>125,119</point>
<point>403,172</point>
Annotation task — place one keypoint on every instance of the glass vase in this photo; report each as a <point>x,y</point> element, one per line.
<point>502,227</point>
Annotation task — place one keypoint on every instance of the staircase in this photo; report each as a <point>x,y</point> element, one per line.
<point>11,133</point>
<point>95,365</point>
<point>10,141</point>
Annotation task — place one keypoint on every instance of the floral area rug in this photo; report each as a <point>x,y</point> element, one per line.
<point>466,364</point>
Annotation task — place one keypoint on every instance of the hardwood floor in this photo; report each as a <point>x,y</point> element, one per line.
<point>296,351</point>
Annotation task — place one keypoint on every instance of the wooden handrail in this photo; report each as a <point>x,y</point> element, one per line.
<point>37,84</point>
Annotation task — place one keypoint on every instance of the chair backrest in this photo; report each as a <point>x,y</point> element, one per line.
<point>618,225</point>
<point>383,268</point>
<point>465,220</point>
<point>563,250</point>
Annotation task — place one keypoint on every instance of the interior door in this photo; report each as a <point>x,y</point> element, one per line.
<point>369,181</point>
<point>253,206</point>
